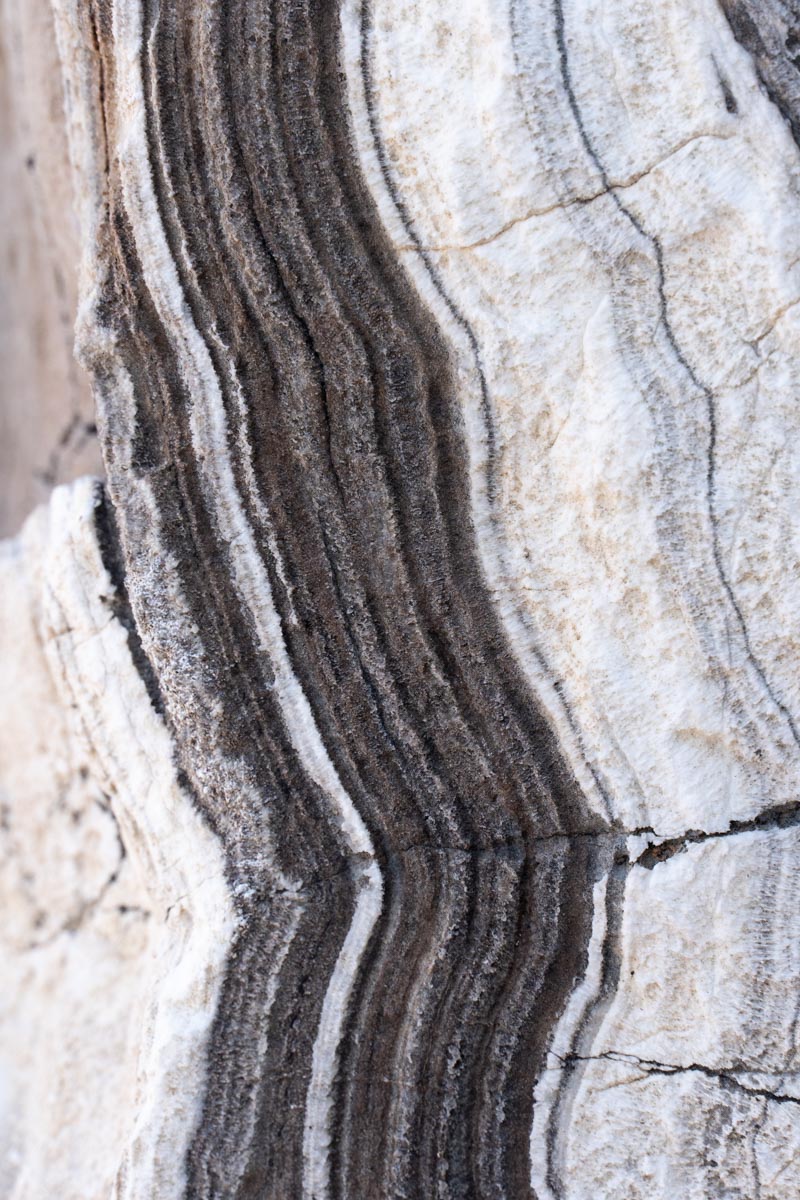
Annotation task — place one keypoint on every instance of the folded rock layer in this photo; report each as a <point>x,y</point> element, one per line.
<point>445,570</point>
<point>394,809</point>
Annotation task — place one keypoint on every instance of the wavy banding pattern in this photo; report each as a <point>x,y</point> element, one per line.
<point>433,565</point>
<point>410,854</point>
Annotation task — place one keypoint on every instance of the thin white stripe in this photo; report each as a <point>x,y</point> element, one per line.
<point>316,1135</point>
<point>210,443</point>
<point>548,1087</point>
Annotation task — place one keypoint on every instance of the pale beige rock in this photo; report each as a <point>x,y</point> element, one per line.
<point>46,410</point>
<point>117,915</point>
<point>75,922</point>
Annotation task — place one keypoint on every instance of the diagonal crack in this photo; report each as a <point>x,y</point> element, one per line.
<point>607,188</point>
<point>727,1076</point>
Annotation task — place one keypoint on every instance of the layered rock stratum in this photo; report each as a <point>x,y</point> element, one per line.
<point>400,744</point>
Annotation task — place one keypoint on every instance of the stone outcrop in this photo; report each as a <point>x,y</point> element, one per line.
<point>401,744</point>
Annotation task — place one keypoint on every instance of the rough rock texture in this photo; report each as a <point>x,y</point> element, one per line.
<point>400,747</point>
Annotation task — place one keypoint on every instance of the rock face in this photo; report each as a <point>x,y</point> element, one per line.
<point>401,746</point>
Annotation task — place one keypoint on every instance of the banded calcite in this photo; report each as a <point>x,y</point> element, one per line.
<point>400,746</point>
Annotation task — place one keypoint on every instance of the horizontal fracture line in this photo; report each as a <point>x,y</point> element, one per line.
<point>779,816</point>
<point>726,1075</point>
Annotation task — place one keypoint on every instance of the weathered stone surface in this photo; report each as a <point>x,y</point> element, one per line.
<point>400,746</point>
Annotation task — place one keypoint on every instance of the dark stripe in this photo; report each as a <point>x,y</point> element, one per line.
<point>769,30</point>
<point>352,428</point>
